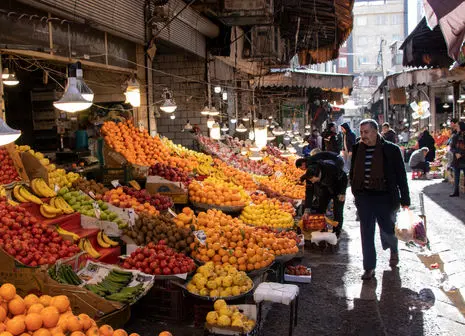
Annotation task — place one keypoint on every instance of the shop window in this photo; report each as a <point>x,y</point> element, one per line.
<point>343,62</point>
<point>361,20</point>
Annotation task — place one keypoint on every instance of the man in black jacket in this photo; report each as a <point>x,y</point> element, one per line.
<point>379,184</point>
<point>330,143</point>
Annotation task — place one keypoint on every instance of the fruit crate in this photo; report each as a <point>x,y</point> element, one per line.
<point>122,174</point>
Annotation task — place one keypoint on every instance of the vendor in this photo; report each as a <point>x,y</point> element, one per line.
<point>418,160</point>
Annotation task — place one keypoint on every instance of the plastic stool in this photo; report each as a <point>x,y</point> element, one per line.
<point>279,293</point>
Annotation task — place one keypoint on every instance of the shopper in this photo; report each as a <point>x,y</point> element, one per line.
<point>330,183</point>
<point>457,148</point>
<point>379,184</point>
<point>348,141</point>
<point>426,140</point>
<point>404,137</point>
<point>330,139</point>
<point>315,140</point>
<point>388,133</point>
<point>418,160</point>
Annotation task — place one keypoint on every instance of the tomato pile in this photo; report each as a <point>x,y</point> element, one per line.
<point>27,240</point>
<point>159,259</point>
<point>8,172</point>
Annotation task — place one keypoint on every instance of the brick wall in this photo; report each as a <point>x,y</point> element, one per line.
<point>189,95</point>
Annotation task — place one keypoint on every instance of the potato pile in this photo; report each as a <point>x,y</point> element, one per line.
<point>90,185</point>
<point>156,228</point>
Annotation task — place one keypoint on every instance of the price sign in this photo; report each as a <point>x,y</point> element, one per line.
<point>172,213</point>
<point>56,188</point>
<point>115,183</point>
<point>132,217</point>
<point>96,209</point>
<point>278,174</point>
<point>201,236</point>
<point>91,194</point>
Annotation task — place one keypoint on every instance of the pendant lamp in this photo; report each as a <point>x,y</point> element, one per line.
<point>133,92</point>
<point>169,105</point>
<point>7,134</point>
<point>205,111</point>
<point>10,79</point>
<point>241,128</point>
<point>72,100</point>
<point>214,111</point>
<point>278,131</point>
<point>210,122</point>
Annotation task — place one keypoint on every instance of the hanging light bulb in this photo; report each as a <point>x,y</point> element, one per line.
<point>270,117</point>
<point>307,132</point>
<point>86,92</point>
<point>133,92</point>
<point>244,150</point>
<point>188,126</point>
<point>72,100</point>
<point>215,132</point>
<point>271,126</point>
<point>205,111</point>
<point>296,132</point>
<point>9,78</point>
<point>303,144</point>
<point>294,141</point>
<point>246,118</point>
<point>210,122</point>
<point>169,105</point>
<point>7,134</point>
<point>278,131</point>
<point>214,111</point>
<point>286,138</point>
<point>251,135</point>
<point>225,95</point>
<point>241,128</point>
<point>217,89</point>
<point>225,128</point>
<point>172,117</point>
<point>308,126</point>
<point>261,133</point>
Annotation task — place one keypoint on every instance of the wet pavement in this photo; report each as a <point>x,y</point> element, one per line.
<point>414,299</point>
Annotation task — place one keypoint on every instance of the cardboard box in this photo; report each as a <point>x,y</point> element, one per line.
<point>33,168</point>
<point>113,159</point>
<point>175,190</point>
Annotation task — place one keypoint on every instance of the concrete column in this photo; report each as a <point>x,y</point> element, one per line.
<point>432,108</point>
<point>140,113</point>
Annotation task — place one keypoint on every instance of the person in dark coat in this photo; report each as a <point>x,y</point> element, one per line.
<point>379,183</point>
<point>457,147</point>
<point>388,133</point>
<point>348,141</point>
<point>426,140</point>
<point>330,143</point>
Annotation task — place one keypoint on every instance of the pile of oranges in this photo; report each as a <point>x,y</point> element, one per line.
<point>186,218</point>
<point>236,176</point>
<point>46,316</point>
<point>216,192</point>
<point>230,241</point>
<point>120,199</point>
<point>281,185</point>
<point>138,147</point>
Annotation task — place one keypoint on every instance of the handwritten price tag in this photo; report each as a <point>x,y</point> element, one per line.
<point>132,217</point>
<point>115,183</point>
<point>91,194</point>
<point>96,209</point>
<point>201,236</point>
<point>172,213</point>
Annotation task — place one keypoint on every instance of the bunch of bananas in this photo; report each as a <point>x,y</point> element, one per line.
<point>41,189</point>
<point>49,211</point>
<point>104,241</point>
<point>60,203</point>
<point>64,232</point>
<point>205,169</point>
<point>86,245</point>
<point>23,195</point>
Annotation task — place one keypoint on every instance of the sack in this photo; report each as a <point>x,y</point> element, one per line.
<point>410,228</point>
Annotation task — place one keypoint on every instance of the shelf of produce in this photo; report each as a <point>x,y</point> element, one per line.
<point>108,255</point>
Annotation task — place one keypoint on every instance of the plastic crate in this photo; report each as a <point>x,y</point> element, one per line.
<point>165,304</point>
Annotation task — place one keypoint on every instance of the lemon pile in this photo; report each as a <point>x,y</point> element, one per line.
<point>268,214</point>
<point>219,281</point>
<point>229,316</point>
<point>61,178</point>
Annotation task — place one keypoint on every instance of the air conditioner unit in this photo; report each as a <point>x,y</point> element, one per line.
<point>265,43</point>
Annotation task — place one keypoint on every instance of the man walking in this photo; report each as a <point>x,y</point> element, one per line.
<point>379,184</point>
<point>388,133</point>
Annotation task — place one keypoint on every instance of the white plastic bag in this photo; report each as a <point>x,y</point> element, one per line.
<point>405,225</point>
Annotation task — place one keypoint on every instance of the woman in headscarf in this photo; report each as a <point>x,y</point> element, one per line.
<point>426,140</point>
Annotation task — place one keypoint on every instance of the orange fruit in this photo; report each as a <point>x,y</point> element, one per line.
<point>77,333</point>
<point>30,299</point>
<point>165,333</point>
<point>50,317</point>
<point>8,291</point>
<point>120,332</point>
<point>93,331</point>
<point>6,333</point>
<point>133,334</point>
<point>106,330</point>
<point>61,302</point>
<point>15,326</point>
<point>2,314</point>
<point>17,306</point>
<point>73,323</point>
<point>42,332</point>
<point>56,331</point>
<point>86,321</point>
<point>35,308</point>
<point>45,300</point>
<point>33,321</point>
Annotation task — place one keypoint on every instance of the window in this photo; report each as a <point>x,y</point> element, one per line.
<point>361,20</point>
<point>343,62</point>
<point>381,20</point>
<point>362,41</point>
<point>362,60</point>
<point>396,19</point>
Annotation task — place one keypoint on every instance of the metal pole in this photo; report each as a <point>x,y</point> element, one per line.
<point>2,101</point>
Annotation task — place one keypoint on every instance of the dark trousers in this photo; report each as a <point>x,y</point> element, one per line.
<point>324,197</point>
<point>457,177</point>
<point>372,209</point>
<point>423,166</point>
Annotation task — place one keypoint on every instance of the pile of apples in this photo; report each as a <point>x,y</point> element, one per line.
<point>170,173</point>
<point>8,172</point>
<point>298,270</point>
<point>120,199</point>
<point>160,202</point>
<point>27,240</point>
<point>159,259</point>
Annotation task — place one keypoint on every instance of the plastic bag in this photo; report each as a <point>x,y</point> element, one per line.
<point>410,228</point>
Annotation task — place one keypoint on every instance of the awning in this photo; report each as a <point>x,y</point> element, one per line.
<point>425,47</point>
<point>450,16</point>
<point>307,79</point>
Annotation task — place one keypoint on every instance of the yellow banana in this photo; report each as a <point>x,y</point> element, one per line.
<point>44,188</point>
<point>81,244</point>
<point>60,203</point>
<point>109,241</point>
<point>51,209</point>
<point>45,213</point>
<point>101,242</point>
<point>17,195</point>
<point>28,196</point>
<point>35,188</point>
<point>13,203</point>
<point>62,231</point>
<point>90,249</point>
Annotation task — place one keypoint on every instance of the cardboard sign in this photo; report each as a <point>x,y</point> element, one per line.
<point>33,167</point>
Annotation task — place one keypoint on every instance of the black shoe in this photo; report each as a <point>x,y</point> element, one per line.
<point>394,261</point>
<point>368,275</point>
<point>454,194</point>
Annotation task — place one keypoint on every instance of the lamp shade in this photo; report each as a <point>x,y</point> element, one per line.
<point>233,120</point>
<point>10,79</point>
<point>205,111</point>
<point>7,134</point>
<point>270,136</point>
<point>278,131</point>
<point>188,126</point>
<point>214,111</point>
<point>168,106</point>
<point>133,93</point>
<point>72,100</point>
<point>5,73</point>
<point>225,128</point>
<point>215,132</point>
<point>241,128</point>
<point>86,92</point>
<point>261,134</point>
